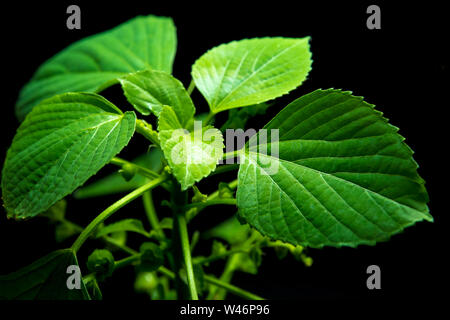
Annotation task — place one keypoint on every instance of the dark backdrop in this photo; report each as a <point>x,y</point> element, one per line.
<point>399,68</point>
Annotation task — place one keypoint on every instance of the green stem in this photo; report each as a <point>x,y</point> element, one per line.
<point>127,261</point>
<point>232,185</point>
<point>213,258</point>
<point>191,87</point>
<point>213,280</point>
<point>225,168</point>
<point>232,154</point>
<point>186,250</point>
<point>144,171</point>
<point>152,217</point>
<point>113,208</point>
<point>231,288</point>
<point>208,203</point>
<point>145,129</point>
<point>208,118</point>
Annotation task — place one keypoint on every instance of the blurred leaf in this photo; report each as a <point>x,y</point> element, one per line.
<point>44,279</point>
<point>230,230</point>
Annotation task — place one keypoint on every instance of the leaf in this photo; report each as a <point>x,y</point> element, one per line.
<point>343,176</point>
<point>191,155</point>
<point>251,71</point>
<point>115,183</point>
<point>230,230</point>
<point>62,142</point>
<point>44,279</point>
<point>94,63</point>
<point>148,91</point>
<point>132,225</point>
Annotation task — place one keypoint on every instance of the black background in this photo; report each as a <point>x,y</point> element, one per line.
<point>400,68</point>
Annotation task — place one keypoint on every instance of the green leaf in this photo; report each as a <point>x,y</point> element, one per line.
<point>251,71</point>
<point>62,142</point>
<point>148,91</point>
<point>115,183</point>
<point>230,230</point>
<point>96,62</point>
<point>44,279</point>
<point>132,225</point>
<point>191,155</point>
<point>343,176</point>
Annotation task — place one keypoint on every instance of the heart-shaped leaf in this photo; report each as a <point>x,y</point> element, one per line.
<point>337,175</point>
<point>251,71</point>
<point>49,278</point>
<point>191,155</point>
<point>94,63</point>
<point>62,142</point>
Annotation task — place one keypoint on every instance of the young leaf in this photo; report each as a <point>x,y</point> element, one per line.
<point>343,175</point>
<point>132,225</point>
<point>148,91</point>
<point>94,63</point>
<point>62,142</point>
<point>45,279</point>
<point>251,71</point>
<point>191,156</point>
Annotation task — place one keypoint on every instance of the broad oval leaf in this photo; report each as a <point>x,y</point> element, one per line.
<point>251,71</point>
<point>62,142</point>
<point>94,63</point>
<point>46,279</point>
<point>191,155</point>
<point>343,175</point>
<point>148,91</point>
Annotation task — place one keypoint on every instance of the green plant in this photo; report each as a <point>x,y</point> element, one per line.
<point>327,170</point>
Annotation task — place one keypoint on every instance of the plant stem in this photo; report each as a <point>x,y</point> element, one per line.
<point>225,168</point>
<point>152,217</point>
<point>231,288</point>
<point>113,208</point>
<point>144,171</point>
<point>208,203</point>
<point>208,119</point>
<point>127,261</point>
<point>213,280</point>
<point>191,87</point>
<point>231,154</point>
<point>186,250</point>
<point>204,260</point>
<point>232,185</point>
<point>147,131</point>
